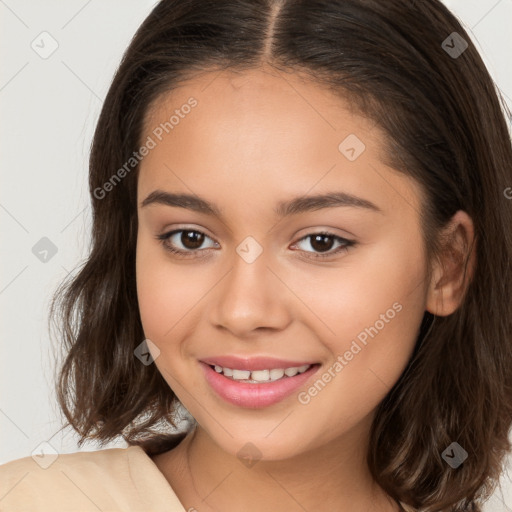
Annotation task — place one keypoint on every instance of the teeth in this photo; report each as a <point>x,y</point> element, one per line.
<point>276,373</point>
<point>261,375</point>
<point>240,374</point>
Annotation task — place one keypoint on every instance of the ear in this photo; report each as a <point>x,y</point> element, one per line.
<point>454,268</point>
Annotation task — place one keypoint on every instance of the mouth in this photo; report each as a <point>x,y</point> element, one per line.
<point>260,376</point>
<point>257,388</point>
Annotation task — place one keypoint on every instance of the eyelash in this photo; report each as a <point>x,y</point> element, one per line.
<point>163,238</point>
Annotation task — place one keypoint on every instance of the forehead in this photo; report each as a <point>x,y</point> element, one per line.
<point>286,100</point>
<point>258,129</point>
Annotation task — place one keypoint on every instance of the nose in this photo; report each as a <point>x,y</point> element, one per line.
<point>251,298</point>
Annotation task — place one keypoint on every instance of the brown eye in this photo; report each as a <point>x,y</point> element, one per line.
<point>322,243</point>
<point>191,239</point>
<point>186,242</point>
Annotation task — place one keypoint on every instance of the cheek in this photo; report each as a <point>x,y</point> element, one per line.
<point>158,291</point>
<point>370,309</point>
<point>167,293</point>
<point>372,345</point>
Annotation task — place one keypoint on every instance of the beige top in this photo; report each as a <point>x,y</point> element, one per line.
<point>114,479</point>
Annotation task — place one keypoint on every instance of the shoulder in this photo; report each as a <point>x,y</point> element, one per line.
<point>48,467</point>
<point>74,481</point>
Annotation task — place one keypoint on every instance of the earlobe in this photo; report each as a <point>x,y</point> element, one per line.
<point>454,268</point>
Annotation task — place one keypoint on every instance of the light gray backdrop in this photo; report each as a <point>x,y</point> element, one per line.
<point>58,59</point>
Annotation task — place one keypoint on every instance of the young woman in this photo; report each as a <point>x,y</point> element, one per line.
<point>301,234</point>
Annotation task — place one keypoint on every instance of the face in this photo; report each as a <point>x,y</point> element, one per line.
<point>338,284</point>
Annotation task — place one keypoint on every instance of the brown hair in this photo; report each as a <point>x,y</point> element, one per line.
<point>444,124</point>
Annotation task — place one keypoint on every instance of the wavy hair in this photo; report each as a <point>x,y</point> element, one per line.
<point>444,123</point>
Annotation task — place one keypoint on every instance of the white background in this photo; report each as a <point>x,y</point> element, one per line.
<point>49,108</point>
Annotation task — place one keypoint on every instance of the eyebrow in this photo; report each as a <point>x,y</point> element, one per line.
<point>294,206</point>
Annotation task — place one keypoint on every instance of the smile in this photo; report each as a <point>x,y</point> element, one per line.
<point>256,389</point>
<point>257,376</point>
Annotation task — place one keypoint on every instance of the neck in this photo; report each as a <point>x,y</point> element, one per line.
<point>333,477</point>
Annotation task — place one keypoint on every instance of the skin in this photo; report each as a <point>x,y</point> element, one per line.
<point>257,138</point>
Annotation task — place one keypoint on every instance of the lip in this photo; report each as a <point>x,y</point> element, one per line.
<point>255,396</point>
<point>253,363</point>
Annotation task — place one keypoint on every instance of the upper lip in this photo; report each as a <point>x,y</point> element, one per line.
<point>253,363</point>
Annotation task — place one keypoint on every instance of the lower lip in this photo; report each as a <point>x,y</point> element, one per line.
<point>255,396</point>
